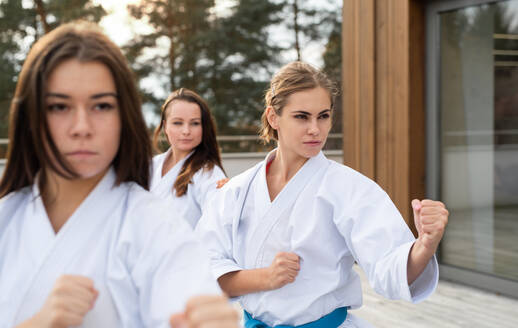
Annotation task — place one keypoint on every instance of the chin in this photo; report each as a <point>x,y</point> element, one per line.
<point>89,173</point>
<point>312,153</point>
<point>307,154</point>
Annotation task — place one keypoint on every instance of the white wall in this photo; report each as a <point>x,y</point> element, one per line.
<point>235,163</point>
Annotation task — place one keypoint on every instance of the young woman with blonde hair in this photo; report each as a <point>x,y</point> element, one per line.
<point>284,235</point>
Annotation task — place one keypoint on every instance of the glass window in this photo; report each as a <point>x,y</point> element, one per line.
<point>479,137</point>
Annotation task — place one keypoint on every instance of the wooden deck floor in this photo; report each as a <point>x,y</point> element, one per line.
<point>451,306</point>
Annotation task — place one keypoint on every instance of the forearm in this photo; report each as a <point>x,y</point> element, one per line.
<point>418,259</point>
<point>244,282</point>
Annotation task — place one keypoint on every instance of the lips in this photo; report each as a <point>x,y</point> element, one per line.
<point>81,153</point>
<point>313,143</point>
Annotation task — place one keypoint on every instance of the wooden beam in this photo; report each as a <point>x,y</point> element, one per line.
<point>358,85</point>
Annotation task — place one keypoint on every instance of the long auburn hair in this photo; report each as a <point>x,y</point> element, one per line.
<point>206,154</point>
<point>31,148</point>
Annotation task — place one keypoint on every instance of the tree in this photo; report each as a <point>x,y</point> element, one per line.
<point>225,59</point>
<point>333,68</point>
<point>308,21</point>
<point>243,60</point>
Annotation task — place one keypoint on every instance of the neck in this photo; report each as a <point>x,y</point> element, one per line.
<point>286,164</point>
<point>61,197</point>
<point>178,155</point>
<point>173,158</point>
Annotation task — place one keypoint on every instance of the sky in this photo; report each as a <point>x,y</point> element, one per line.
<point>120,27</point>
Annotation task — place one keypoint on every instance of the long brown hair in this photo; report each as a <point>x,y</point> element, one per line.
<point>293,77</point>
<point>31,148</point>
<point>206,154</point>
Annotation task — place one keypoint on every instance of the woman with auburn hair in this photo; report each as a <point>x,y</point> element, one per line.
<point>284,235</point>
<point>187,174</point>
<point>82,242</point>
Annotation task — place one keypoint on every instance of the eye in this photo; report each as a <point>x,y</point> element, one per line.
<point>178,123</point>
<point>196,123</point>
<point>57,107</point>
<point>324,116</point>
<point>104,106</point>
<point>301,116</point>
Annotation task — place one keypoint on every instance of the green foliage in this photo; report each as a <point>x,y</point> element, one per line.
<point>228,58</point>
<point>225,59</point>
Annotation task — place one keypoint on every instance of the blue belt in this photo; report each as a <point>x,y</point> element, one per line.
<point>333,319</point>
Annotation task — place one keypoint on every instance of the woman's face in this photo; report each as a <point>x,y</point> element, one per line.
<point>182,126</point>
<point>304,123</point>
<point>83,115</point>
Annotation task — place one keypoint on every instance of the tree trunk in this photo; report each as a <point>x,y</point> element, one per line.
<point>296,27</point>
<point>40,8</point>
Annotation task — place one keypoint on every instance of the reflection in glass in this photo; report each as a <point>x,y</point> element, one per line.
<point>479,137</point>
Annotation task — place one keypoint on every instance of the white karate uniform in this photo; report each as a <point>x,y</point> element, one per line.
<point>144,265</point>
<point>330,216</point>
<point>190,205</point>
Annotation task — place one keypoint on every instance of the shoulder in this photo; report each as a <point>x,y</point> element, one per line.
<point>15,197</point>
<point>345,181</point>
<point>205,173</point>
<point>141,201</point>
<point>232,189</point>
<point>339,172</point>
<point>243,179</point>
<point>147,216</point>
<point>10,203</point>
<point>159,158</point>
<point>145,211</point>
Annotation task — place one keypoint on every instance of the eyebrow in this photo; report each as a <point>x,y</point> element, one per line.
<point>95,96</point>
<point>181,118</point>
<point>307,113</point>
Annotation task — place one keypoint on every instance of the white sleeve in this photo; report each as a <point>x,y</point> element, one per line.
<point>380,241</point>
<point>170,267</point>
<point>215,231</point>
<point>205,185</point>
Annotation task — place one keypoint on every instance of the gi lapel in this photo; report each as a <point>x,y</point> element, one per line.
<point>250,175</point>
<point>163,185</point>
<point>73,238</point>
<point>282,205</point>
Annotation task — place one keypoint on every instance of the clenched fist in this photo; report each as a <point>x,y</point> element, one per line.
<point>69,301</point>
<point>283,270</point>
<point>431,218</point>
<point>206,311</point>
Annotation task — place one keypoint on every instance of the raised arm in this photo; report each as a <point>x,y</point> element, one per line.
<point>430,219</point>
<point>380,241</point>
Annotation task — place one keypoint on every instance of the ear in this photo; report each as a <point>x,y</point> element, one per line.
<point>272,117</point>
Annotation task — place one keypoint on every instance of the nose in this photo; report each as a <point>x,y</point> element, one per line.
<point>313,128</point>
<point>81,124</point>
<point>186,129</point>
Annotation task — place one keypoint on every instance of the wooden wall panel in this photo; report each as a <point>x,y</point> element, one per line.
<point>358,85</point>
<point>383,74</point>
